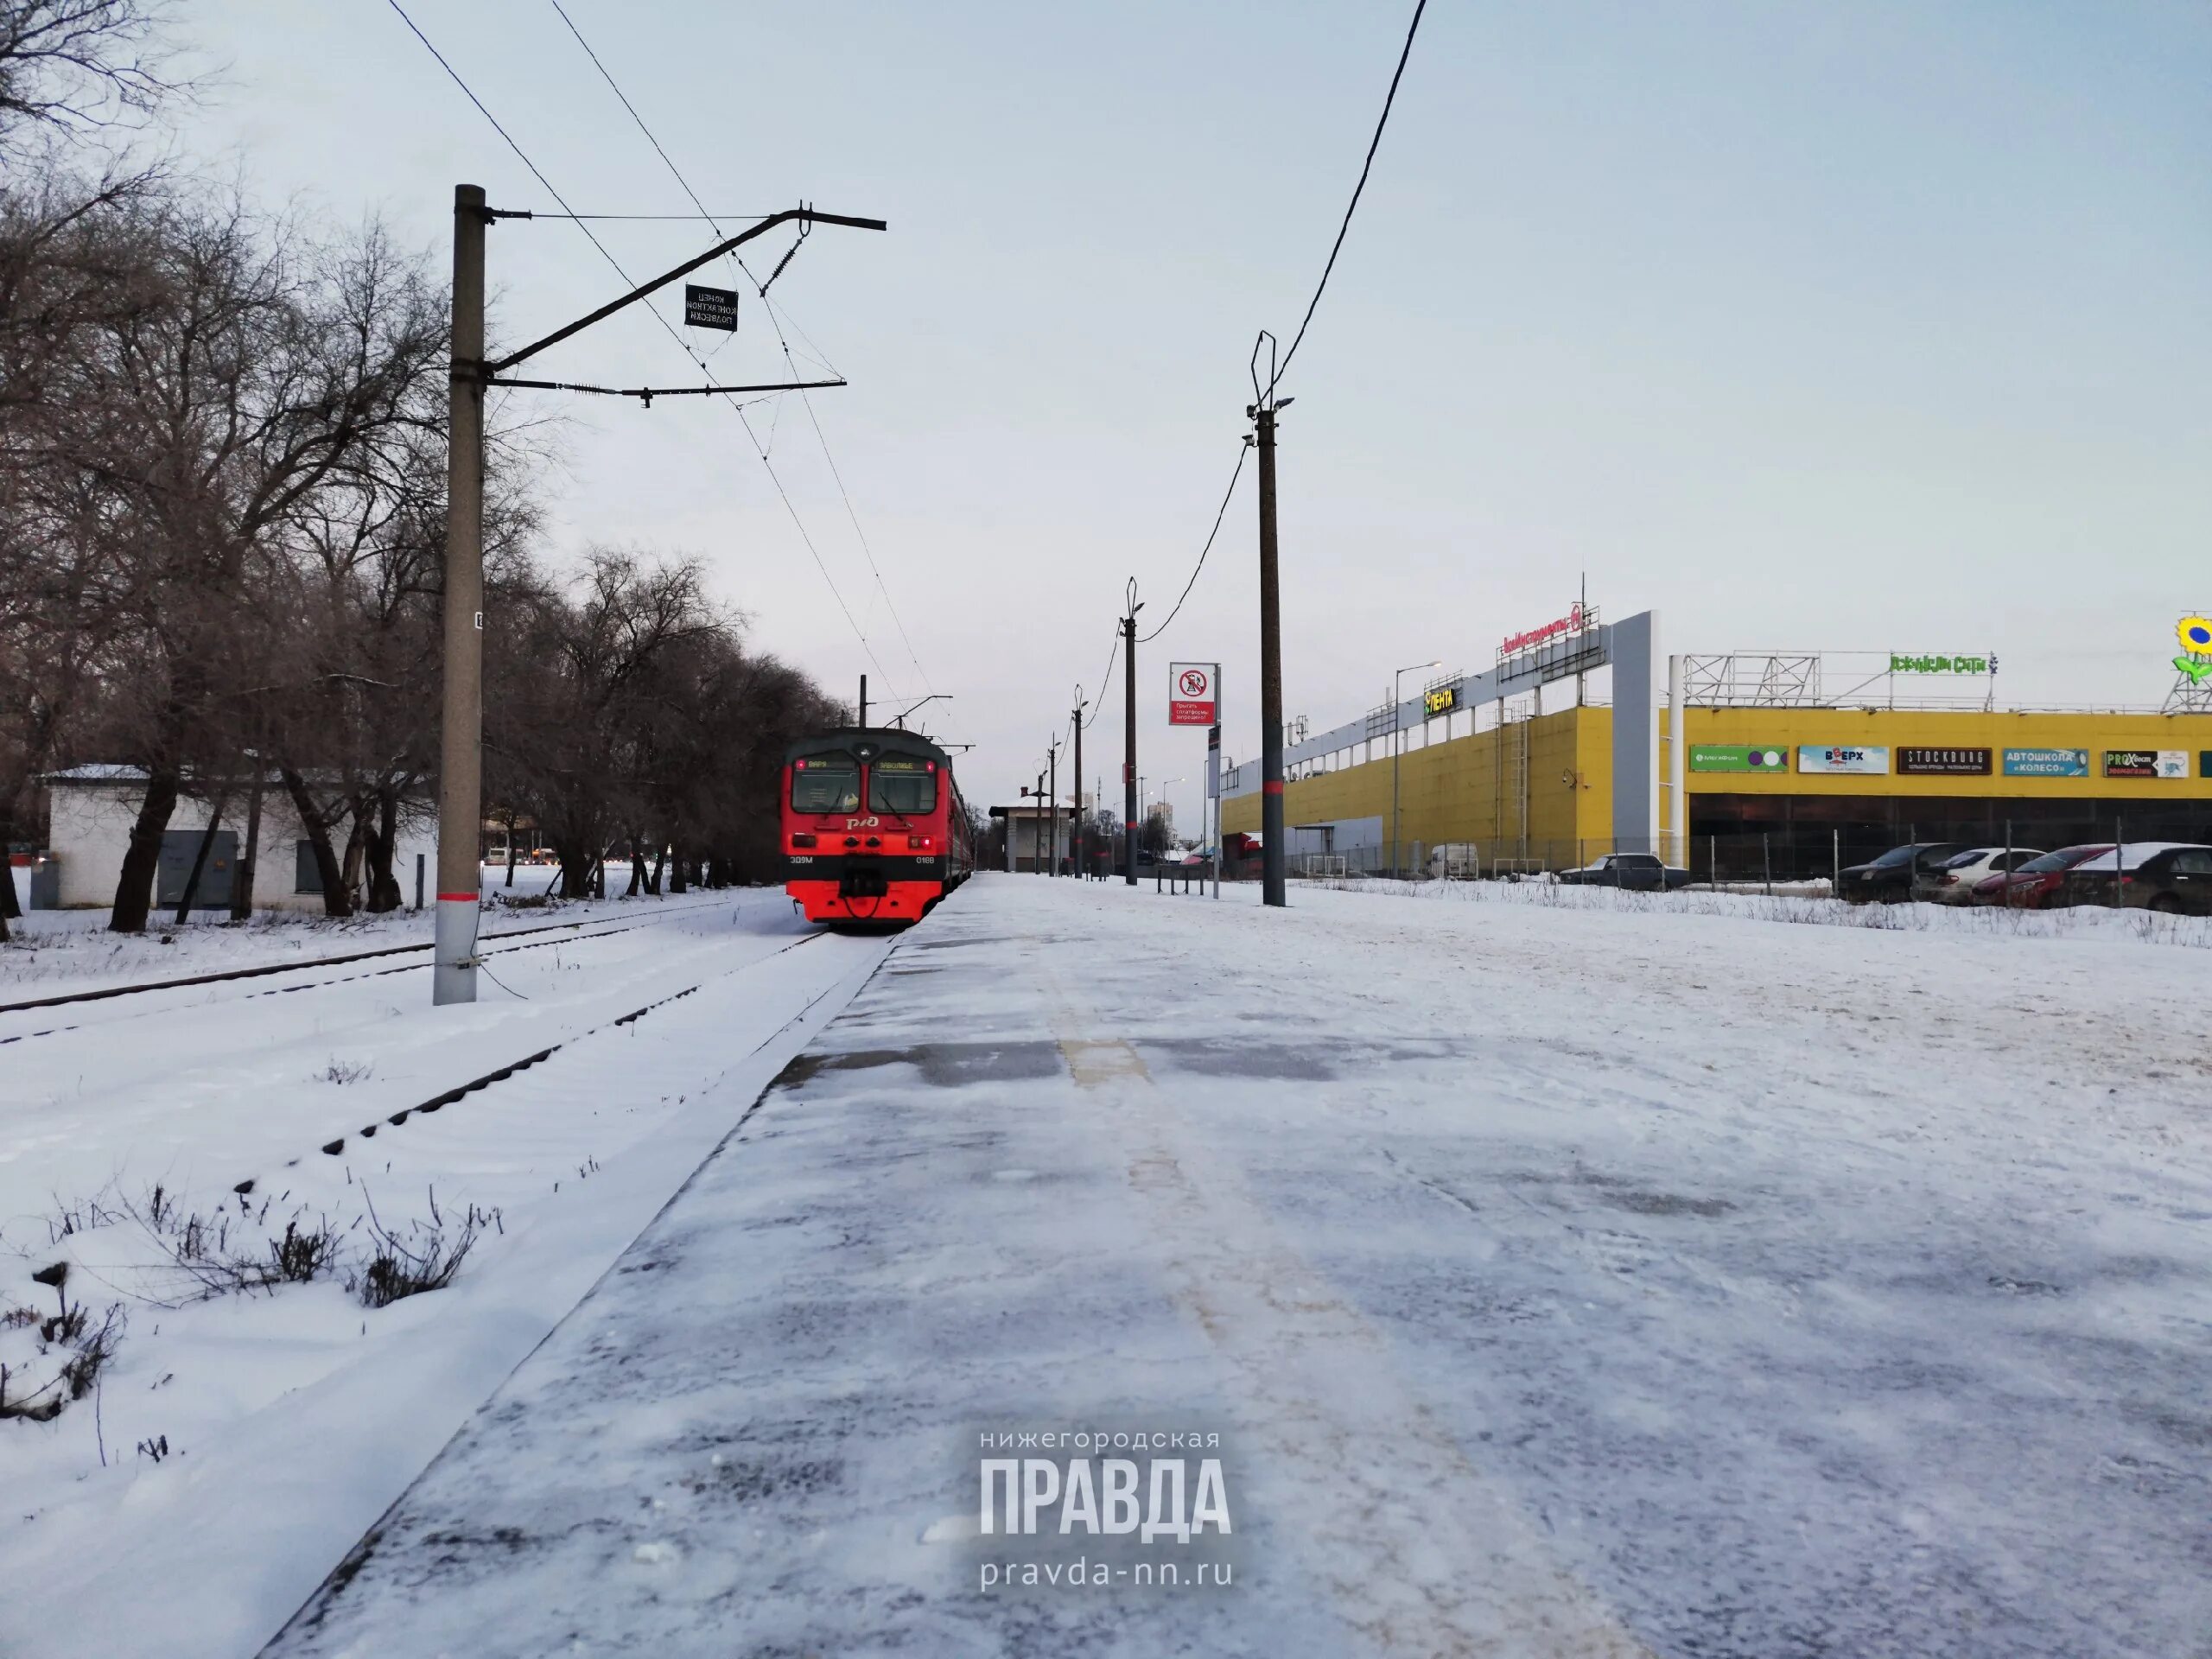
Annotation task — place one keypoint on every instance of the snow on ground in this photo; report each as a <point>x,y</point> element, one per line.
<point>1806,908</point>
<point>1580,1279</point>
<point>292,1416</point>
<point>54,952</point>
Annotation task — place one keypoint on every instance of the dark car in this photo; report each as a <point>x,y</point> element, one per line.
<point>2037,883</point>
<point>2171,876</point>
<point>1890,878</point>
<point>1639,870</point>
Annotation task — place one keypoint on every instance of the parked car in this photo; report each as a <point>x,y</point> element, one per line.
<point>2032,886</point>
<point>1889,879</point>
<point>2171,876</point>
<point>1639,870</point>
<point>1952,881</point>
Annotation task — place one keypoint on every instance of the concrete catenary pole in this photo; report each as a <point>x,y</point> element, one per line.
<point>1129,746</point>
<point>1081,868</point>
<point>1052,808</point>
<point>1271,830</point>
<point>460,756</point>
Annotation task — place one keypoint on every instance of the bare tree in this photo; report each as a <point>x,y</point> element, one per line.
<point>70,70</point>
<point>262,378</point>
<point>78,67</point>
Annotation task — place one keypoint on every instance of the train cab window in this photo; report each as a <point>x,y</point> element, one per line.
<point>901,784</point>
<point>826,782</point>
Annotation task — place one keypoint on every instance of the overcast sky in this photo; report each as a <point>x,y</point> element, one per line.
<point>1852,326</point>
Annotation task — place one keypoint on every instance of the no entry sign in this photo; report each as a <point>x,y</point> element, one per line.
<point>1190,694</point>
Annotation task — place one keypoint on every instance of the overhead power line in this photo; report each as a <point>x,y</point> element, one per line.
<point>1098,703</point>
<point>867,550</point>
<point>1276,372</point>
<point>1242,448</point>
<point>537,172</point>
<point>1336,248</point>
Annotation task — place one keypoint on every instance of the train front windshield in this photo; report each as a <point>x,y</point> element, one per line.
<point>896,784</point>
<point>826,782</point>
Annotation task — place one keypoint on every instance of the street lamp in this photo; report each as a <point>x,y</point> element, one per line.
<point>1397,743</point>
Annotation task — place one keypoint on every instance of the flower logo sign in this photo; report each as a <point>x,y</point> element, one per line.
<point>2195,658</point>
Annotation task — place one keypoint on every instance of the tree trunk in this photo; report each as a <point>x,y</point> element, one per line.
<point>636,871</point>
<point>335,901</point>
<point>242,879</point>
<point>357,839</point>
<point>134,887</point>
<point>381,843</point>
<point>199,858</point>
<point>676,883</point>
<point>511,850</point>
<point>660,868</point>
<point>598,875</point>
<point>576,874</point>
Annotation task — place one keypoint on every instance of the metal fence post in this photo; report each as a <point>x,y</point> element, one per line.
<point>1835,863</point>
<point>1766,860</point>
<point>2118,856</point>
<point>1713,864</point>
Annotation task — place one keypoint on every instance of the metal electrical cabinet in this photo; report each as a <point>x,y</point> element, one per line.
<point>179,849</point>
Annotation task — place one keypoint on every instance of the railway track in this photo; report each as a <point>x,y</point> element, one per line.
<point>500,1074</point>
<point>600,929</point>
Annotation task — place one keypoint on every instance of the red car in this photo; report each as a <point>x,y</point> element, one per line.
<point>2038,883</point>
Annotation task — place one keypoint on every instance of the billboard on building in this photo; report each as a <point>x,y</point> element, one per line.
<point>1942,763</point>
<point>2146,763</point>
<point>1738,756</point>
<point>2046,763</point>
<point>1858,758</point>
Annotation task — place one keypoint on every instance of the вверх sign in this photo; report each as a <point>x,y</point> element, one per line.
<point>1858,758</point>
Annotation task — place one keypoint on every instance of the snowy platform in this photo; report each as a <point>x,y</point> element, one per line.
<point>1557,1281</point>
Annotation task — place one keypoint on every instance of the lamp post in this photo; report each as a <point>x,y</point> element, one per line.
<point>1397,743</point>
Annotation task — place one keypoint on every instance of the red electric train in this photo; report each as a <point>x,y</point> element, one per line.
<point>874,828</point>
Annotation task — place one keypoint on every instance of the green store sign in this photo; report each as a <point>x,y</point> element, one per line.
<point>1900,663</point>
<point>1738,757</point>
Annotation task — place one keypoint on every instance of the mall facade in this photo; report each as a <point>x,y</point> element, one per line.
<point>1790,765</point>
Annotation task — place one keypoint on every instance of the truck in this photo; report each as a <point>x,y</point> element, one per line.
<point>1455,860</point>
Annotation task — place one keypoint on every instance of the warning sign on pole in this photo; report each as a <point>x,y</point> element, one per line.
<point>1190,694</point>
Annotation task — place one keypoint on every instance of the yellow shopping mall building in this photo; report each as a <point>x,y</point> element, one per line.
<point>1794,787</point>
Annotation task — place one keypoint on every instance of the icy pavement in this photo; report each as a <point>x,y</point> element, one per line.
<point>1557,1282</point>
